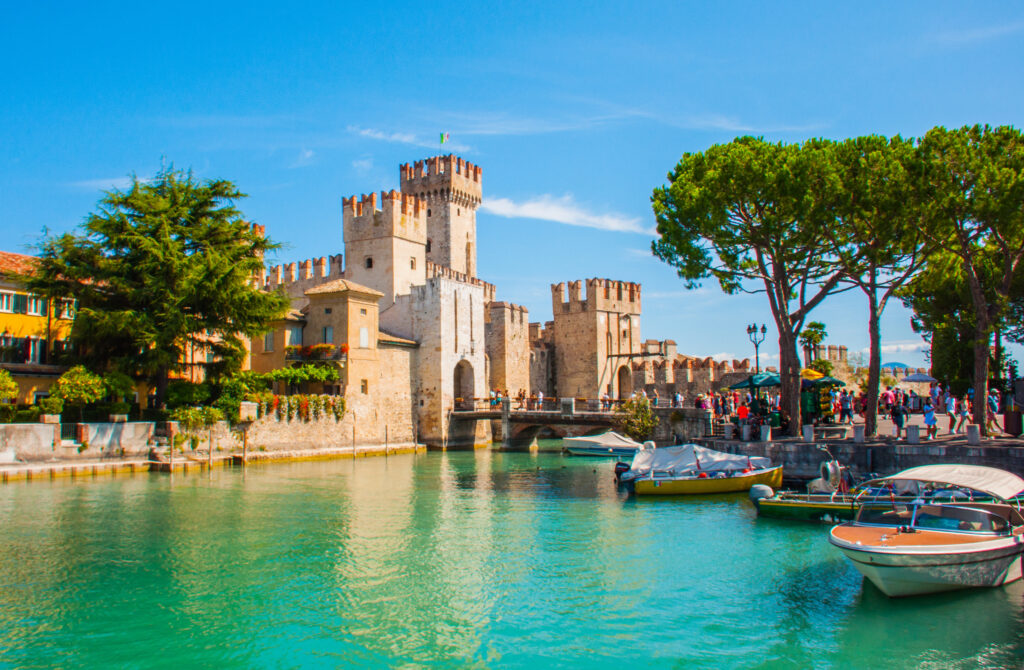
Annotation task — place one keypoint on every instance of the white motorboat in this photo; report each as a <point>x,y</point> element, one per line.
<point>605,444</point>
<point>917,546</point>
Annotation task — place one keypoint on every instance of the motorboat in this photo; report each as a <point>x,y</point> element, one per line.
<point>689,469</point>
<point>918,546</point>
<point>606,444</point>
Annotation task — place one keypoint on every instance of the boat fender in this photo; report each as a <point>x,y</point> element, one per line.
<point>758,491</point>
<point>702,475</point>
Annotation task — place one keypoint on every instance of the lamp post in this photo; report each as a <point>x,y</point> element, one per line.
<point>752,332</point>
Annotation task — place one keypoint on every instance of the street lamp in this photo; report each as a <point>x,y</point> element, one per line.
<point>752,333</point>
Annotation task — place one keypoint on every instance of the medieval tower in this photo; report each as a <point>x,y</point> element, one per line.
<point>451,189</point>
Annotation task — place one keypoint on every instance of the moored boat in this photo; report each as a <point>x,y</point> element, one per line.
<point>689,469</point>
<point>606,444</point>
<point>916,547</point>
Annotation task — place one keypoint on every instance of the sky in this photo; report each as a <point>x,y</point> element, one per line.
<point>575,111</point>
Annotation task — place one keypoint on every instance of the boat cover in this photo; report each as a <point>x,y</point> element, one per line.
<point>993,481</point>
<point>610,439</point>
<point>684,458</point>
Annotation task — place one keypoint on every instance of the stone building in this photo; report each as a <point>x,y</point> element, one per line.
<point>418,331</point>
<point>594,346</point>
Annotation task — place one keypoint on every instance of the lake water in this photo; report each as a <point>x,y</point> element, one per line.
<point>480,559</point>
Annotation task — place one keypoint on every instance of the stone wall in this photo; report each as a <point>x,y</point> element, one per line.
<point>33,442</point>
<point>508,347</point>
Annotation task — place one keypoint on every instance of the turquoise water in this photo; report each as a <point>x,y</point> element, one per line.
<point>480,559</point>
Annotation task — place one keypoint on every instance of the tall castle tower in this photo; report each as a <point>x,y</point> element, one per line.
<point>596,337</point>
<point>451,188</point>
<point>386,247</point>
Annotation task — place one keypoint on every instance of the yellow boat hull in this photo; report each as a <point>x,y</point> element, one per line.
<point>694,486</point>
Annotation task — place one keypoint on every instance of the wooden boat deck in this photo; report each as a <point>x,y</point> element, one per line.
<point>875,536</point>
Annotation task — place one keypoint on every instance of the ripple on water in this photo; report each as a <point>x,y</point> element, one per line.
<point>463,560</point>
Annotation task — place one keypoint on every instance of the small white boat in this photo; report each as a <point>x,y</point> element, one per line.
<point>911,547</point>
<point>605,444</point>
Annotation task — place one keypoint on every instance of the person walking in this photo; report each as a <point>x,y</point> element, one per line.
<point>992,408</point>
<point>965,413</point>
<point>899,415</point>
<point>931,428</point>
<point>951,410</point>
<point>846,407</point>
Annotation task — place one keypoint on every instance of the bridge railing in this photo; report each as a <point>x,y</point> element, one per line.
<point>533,404</point>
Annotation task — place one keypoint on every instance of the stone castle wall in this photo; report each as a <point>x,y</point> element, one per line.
<point>508,347</point>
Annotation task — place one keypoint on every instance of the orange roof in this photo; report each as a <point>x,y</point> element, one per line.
<point>17,264</point>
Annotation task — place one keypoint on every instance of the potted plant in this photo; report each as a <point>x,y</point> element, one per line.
<point>51,407</point>
<point>322,350</point>
<point>119,412</point>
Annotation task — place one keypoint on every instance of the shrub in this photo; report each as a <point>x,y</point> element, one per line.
<point>181,393</point>
<point>119,386</point>
<point>120,408</point>
<point>27,415</point>
<point>636,419</point>
<point>79,387</point>
<point>51,405</point>
<point>8,387</point>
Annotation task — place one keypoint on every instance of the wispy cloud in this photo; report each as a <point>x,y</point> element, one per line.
<point>304,158</point>
<point>105,184</point>
<point>724,356</point>
<point>405,138</point>
<point>975,35</point>
<point>900,346</point>
<point>563,210</point>
<point>363,165</point>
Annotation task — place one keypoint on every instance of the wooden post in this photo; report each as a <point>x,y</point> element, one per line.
<point>245,443</point>
<point>209,438</point>
<point>385,439</point>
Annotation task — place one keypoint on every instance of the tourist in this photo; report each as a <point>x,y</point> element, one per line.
<point>654,398</point>
<point>931,428</point>
<point>965,412</point>
<point>899,415</point>
<point>992,408</point>
<point>951,411</point>
<point>540,400</point>
<point>846,407</point>
<point>606,401</point>
<point>492,397</point>
<point>743,411</point>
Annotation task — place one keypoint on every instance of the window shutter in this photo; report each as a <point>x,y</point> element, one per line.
<point>20,303</point>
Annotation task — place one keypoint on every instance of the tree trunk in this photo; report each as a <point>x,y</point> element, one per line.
<point>789,375</point>
<point>163,375</point>
<point>874,366</point>
<point>981,336</point>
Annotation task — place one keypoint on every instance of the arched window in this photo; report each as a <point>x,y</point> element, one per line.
<point>369,262</point>
<point>428,242</point>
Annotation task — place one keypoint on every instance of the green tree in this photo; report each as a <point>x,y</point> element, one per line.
<point>119,386</point>
<point>821,365</point>
<point>974,210</point>
<point>165,264</point>
<point>194,420</point>
<point>79,387</point>
<point>876,237</point>
<point>745,214</point>
<point>812,336</point>
<point>636,419</point>
<point>8,387</point>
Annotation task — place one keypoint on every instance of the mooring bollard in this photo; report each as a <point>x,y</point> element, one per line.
<point>745,432</point>
<point>973,434</point>
<point>766,433</point>
<point>858,433</point>
<point>808,433</point>
<point>730,431</point>
<point>913,434</point>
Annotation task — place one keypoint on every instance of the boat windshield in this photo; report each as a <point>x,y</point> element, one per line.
<point>932,517</point>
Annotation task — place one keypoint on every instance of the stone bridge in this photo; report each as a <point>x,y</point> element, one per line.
<point>520,427</point>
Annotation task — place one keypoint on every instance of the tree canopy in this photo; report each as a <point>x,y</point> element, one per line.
<point>745,214</point>
<point>161,267</point>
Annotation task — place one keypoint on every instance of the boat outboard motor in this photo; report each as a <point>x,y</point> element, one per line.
<point>758,491</point>
<point>621,468</point>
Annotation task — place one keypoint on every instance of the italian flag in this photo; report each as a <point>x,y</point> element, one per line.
<point>444,137</point>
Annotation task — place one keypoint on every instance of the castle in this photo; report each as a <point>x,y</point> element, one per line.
<point>420,332</point>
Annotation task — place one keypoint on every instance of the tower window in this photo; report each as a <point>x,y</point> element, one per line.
<point>428,212</point>
<point>369,262</point>
<point>428,246</point>
<point>412,263</point>
<point>364,386</point>
<point>458,211</point>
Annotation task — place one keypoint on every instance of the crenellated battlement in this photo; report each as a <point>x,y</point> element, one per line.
<point>443,178</point>
<point>435,270</point>
<point>400,215</point>
<point>601,295</point>
<point>303,274</point>
<point>509,312</point>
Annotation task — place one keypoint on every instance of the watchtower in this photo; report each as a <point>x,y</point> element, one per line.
<point>451,188</point>
<point>596,336</point>
<point>385,247</point>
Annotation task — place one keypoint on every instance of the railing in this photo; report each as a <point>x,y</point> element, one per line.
<point>595,405</point>
<point>69,431</point>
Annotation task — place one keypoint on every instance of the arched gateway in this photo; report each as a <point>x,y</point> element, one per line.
<point>463,385</point>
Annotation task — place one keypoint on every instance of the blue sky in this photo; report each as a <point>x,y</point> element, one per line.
<point>576,111</point>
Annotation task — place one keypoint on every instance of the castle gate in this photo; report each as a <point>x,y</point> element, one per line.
<point>463,383</point>
<point>625,382</point>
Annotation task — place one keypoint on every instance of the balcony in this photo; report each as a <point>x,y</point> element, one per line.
<point>316,352</point>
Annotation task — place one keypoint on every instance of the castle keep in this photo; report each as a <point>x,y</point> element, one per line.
<point>419,332</point>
